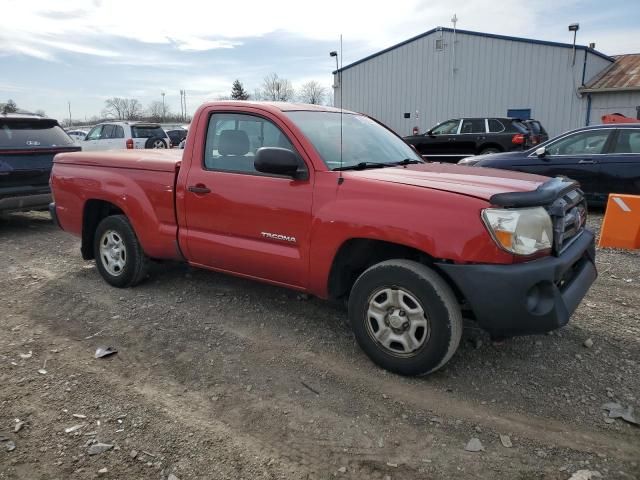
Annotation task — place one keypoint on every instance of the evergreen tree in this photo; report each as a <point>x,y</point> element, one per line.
<point>238,92</point>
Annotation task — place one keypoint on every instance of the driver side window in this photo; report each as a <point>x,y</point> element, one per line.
<point>581,143</point>
<point>233,139</point>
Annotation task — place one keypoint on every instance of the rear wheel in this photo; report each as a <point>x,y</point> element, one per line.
<point>118,253</point>
<point>155,142</point>
<point>405,317</point>
<point>488,150</point>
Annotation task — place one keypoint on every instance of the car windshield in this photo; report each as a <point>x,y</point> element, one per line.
<point>32,133</point>
<point>147,131</point>
<point>364,141</point>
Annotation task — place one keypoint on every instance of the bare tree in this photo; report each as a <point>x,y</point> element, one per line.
<point>312,92</point>
<point>122,108</point>
<point>40,113</point>
<point>156,111</point>
<point>277,89</point>
<point>134,109</point>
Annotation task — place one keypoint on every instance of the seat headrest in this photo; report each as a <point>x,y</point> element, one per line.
<point>233,142</point>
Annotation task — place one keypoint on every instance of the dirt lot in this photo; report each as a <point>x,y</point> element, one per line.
<point>222,378</point>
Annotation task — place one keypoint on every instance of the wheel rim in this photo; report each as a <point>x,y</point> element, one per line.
<point>397,322</point>
<point>158,144</point>
<point>113,253</point>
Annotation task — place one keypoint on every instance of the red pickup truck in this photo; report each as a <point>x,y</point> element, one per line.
<point>337,205</point>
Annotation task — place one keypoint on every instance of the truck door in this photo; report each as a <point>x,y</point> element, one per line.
<point>241,220</point>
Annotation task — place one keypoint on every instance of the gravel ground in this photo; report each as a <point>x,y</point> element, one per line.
<point>218,377</point>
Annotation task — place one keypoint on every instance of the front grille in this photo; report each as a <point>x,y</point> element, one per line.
<point>569,215</point>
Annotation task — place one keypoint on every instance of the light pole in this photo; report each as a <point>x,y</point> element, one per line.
<point>574,27</point>
<point>335,54</point>
<point>163,110</point>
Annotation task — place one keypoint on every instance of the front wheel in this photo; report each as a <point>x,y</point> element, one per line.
<point>405,317</point>
<point>118,253</point>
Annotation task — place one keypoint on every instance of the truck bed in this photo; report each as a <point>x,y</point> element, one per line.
<point>141,183</point>
<point>155,160</point>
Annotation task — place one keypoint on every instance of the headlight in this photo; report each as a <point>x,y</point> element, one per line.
<point>469,161</point>
<point>522,231</point>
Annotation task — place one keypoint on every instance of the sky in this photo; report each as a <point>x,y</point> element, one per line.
<point>53,52</point>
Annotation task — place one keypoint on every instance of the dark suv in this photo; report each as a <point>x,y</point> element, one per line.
<point>461,137</point>
<point>28,144</point>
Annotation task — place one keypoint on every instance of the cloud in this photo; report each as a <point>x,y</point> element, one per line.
<point>201,44</point>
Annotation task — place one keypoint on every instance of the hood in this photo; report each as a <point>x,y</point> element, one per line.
<point>476,182</point>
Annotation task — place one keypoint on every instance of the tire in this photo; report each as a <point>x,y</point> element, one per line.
<point>128,265</point>
<point>155,142</point>
<point>489,150</point>
<point>417,286</point>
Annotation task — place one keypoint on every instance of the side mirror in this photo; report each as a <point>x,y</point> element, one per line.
<point>541,152</point>
<point>277,161</point>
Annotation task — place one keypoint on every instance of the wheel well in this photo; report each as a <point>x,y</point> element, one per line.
<point>358,254</point>
<point>490,145</point>
<point>93,213</point>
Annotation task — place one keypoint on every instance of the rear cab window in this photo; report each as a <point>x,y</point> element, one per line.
<point>28,133</point>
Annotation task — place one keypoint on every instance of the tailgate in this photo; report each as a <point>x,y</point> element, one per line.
<point>26,168</point>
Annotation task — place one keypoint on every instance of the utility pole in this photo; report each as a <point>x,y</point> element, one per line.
<point>163,110</point>
<point>184,99</point>
<point>69,113</point>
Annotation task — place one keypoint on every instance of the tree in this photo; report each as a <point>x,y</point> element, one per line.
<point>122,108</point>
<point>238,92</point>
<point>157,111</point>
<point>9,107</point>
<point>312,92</point>
<point>277,89</point>
<point>41,113</point>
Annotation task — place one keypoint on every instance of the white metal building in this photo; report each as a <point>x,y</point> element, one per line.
<point>446,73</point>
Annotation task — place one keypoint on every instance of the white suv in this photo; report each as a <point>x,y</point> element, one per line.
<point>125,135</point>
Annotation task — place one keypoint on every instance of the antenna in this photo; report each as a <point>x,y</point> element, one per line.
<point>339,72</point>
<point>340,179</point>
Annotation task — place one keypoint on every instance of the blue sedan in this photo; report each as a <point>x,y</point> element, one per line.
<point>603,158</point>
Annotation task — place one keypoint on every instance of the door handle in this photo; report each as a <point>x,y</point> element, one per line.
<point>586,161</point>
<point>199,189</point>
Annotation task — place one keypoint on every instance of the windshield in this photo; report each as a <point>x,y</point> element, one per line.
<point>363,140</point>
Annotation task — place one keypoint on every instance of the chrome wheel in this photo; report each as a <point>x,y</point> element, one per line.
<point>397,322</point>
<point>113,253</point>
<point>158,144</point>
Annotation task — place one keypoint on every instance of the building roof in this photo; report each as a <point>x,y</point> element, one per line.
<point>622,75</point>
<point>478,34</point>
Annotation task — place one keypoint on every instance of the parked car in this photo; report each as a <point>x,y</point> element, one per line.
<point>28,144</point>
<point>77,135</point>
<point>538,133</point>
<point>265,191</point>
<point>460,137</point>
<point>177,135</point>
<point>603,158</point>
<point>125,135</point>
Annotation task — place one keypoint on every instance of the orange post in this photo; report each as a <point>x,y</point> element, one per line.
<point>621,224</point>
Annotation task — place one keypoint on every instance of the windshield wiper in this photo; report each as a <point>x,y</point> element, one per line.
<point>363,166</point>
<point>406,161</point>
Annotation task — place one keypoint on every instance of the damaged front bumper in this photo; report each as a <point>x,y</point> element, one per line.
<point>527,298</point>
